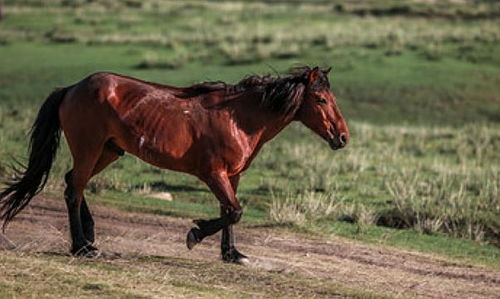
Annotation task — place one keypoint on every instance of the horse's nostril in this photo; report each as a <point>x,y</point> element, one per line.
<point>343,139</point>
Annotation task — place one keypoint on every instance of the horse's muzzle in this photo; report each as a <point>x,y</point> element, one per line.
<point>337,142</point>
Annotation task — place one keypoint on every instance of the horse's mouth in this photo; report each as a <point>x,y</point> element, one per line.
<point>334,145</point>
<point>335,141</point>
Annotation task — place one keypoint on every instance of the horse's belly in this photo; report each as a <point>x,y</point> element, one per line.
<point>166,145</point>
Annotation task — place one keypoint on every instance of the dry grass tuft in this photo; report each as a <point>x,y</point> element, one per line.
<point>301,208</point>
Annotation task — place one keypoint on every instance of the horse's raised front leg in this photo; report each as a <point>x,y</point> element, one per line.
<point>220,185</point>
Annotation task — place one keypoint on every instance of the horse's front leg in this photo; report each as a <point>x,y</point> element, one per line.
<point>229,253</point>
<point>221,186</point>
<point>228,250</point>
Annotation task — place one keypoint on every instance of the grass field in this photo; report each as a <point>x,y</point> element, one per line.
<point>417,81</point>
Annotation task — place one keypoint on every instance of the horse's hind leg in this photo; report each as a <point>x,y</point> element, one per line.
<point>85,216</point>
<point>108,155</point>
<point>77,180</point>
<point>87,222</point>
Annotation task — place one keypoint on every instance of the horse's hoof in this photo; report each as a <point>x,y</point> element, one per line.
<point>92,254</point>
<point>244,261</point>
<point>193,237</point>
<point>235,257</point>
<point>87,251</point>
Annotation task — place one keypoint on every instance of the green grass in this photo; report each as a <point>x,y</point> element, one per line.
<point>377,61</point>
<point>421,95</point>
<point>184,205</point>
<point>366,91</point>
<point>438,244</point>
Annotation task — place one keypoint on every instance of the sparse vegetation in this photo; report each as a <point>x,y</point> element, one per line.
<point>431,180</point>
<point>303,207</point>
<point>437,179</point>
<point>461,204</point>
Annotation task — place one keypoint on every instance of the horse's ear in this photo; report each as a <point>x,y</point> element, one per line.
<point>313,75</point>
<point>326,71</point>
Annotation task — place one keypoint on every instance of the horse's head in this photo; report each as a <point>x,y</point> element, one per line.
<point>319,110</point>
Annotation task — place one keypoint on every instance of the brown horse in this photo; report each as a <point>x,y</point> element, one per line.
<point>210,130</point>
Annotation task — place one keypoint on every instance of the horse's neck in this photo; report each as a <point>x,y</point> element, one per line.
<point>260,124</point>
<point>274,127</point>
<point>257,122</point>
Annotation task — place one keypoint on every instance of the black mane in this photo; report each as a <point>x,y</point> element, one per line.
<point>280,94</point>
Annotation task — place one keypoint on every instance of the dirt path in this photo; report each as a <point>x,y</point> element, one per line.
<point>43,227</point>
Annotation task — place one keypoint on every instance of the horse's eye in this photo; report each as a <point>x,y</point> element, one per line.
<point>321,101</point>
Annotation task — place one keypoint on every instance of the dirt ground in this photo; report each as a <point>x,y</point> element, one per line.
<point>42,227</point>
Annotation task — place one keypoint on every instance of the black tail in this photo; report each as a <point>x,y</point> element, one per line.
<point>45,135</point>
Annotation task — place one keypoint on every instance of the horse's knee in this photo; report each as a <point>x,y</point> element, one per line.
<point>235,216</point>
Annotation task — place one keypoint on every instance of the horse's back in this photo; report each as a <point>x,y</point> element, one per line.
<point>146,120</point>
<point>152,122</point>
